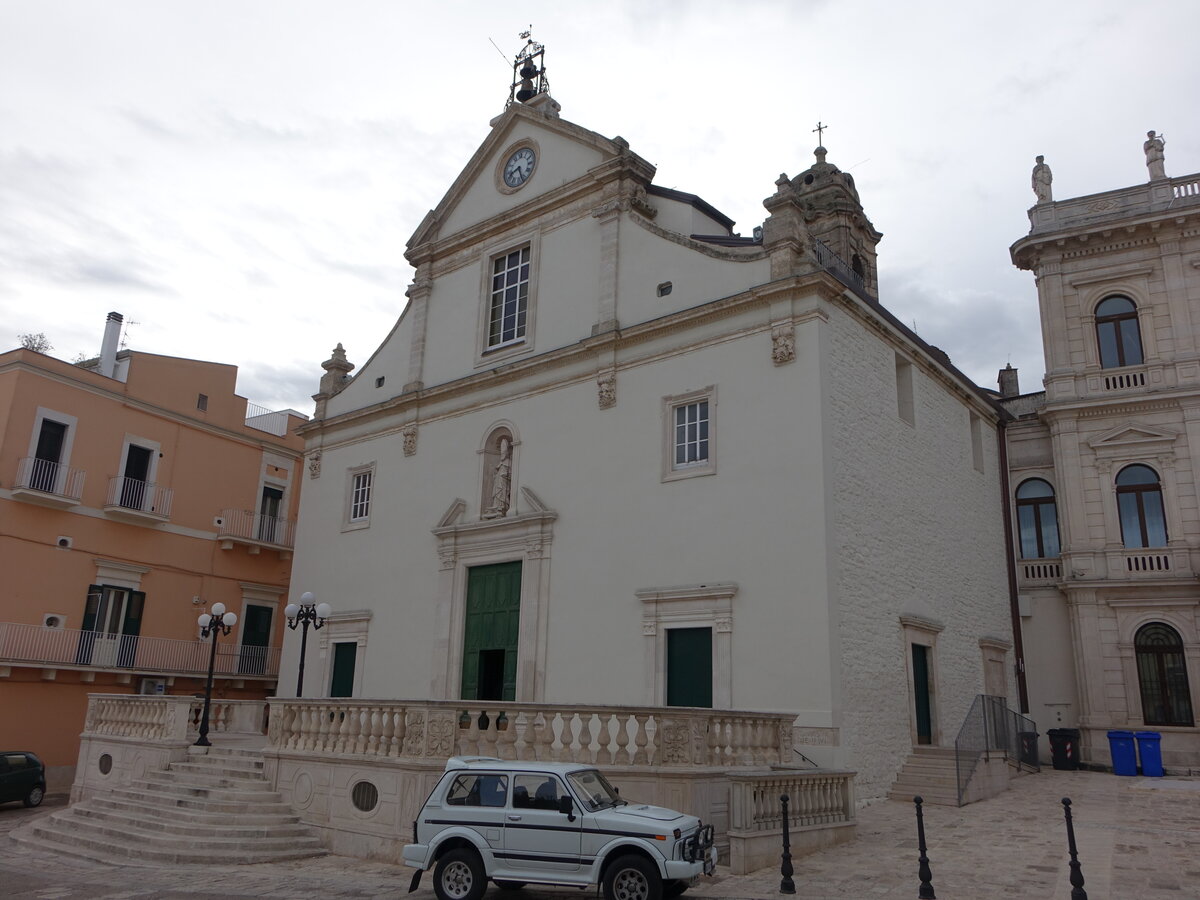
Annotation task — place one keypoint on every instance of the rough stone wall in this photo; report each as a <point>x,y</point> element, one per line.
<point>918,530</point>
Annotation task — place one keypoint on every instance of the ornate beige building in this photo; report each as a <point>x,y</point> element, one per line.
<point>615,453</point>
<point>1105,464</point>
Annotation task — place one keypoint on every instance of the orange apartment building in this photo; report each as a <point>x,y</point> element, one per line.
<point>136,491</point>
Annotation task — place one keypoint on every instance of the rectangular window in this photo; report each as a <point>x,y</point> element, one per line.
<point>689,446</point>
<point>691,434</point>
<point>976,442</point>
<point>904,390</point>
<point>360,496</point>
<point>509,297</point>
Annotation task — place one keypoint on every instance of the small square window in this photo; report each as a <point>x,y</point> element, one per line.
<point>202,402</point>
<point>664,289</point>
<point>689,445</point>
<point>379,381</point>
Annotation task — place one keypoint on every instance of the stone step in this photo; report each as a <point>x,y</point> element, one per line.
<point>222,826</point>
<point>908,778</point>
<point>212,777</point>
<point>166,800</point>
<point>47,837</point>
<point>935,798</point>
<point>232,764</point>
<point>932,767</point>
<point>66,822</point>
<point>162,783</point>
<point>283,815</point>
<point>936,752</point>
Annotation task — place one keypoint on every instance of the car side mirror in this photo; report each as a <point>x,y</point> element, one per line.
<point>565,806</point>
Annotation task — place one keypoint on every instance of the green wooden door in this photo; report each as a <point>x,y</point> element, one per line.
<point>489,668</point>
<point>689,667</point>
<point>920,659</point>
<point>341,684</point>
<point>256,637</point>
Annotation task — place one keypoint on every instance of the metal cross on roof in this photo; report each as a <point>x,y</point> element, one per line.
<point>819,129</point>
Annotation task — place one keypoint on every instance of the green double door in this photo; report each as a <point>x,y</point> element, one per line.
<point>489,668</point>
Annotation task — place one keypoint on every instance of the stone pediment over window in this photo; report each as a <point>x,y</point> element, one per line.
<point>1135,439</point>
<point>529,529</point>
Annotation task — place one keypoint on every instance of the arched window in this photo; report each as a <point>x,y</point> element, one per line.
<point>1140,505</point>
<point>1162,673</point>
<point>1037,519</point>
<point>1117,333</point>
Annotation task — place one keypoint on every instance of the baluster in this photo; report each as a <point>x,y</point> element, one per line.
<point>374,728</point>
<point>487,734</point>
<point>641,739</point>
<point>543,737</point>
<point>361,730</point>
<point>520,727</point>
<point>623,750</point>
<point>590,732</point>
<point>321,739</point>
<point>506,730</point>
<point>559,727</point>
<point>397,730</point>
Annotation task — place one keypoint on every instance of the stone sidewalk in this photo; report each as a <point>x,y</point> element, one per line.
<point>1138,839</point>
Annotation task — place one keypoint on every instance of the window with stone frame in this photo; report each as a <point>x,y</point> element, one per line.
<point>1037,519</point>
<point>689,444</point>
<point>1118,334</point>
<point>1140,507</point>
<point>1162,676</point>
<point>509,306</point>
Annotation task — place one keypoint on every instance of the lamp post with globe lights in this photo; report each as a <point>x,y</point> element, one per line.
<point>212,625</point>
<point>309,612</point>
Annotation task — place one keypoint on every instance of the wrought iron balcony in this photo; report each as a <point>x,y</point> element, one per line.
<point>140,501</point>
<point>255,530</point>
<point>37,645</point>
<point>48,483</point>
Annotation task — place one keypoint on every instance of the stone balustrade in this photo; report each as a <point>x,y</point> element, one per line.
<point>632,736</point>
<point>820,813</point>
<point>164,720</point>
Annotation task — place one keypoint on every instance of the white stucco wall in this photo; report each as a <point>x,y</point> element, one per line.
<point>918,531</point>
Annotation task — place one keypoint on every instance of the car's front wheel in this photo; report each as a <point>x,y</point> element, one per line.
<point>35,796</point>
<point>459,875</point>
<point>632,877</point>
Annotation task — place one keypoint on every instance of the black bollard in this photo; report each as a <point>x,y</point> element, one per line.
<point>786,885</point>
<point>926,890</point>
<point>1077,891</point>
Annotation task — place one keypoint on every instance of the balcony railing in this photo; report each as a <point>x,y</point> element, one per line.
<point>138,499</point>
<point>269,420</point>
<point>1149,562</point>
<point>248,527</point>
<point>49,481</point>
<point>36,645</point>
<point>1040,571</point>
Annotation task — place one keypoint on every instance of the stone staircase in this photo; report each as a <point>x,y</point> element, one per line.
<point>928,773</point>
<point>213,806</point>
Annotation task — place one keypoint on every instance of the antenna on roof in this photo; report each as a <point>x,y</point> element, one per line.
<point>498,50</point>
<point>125,333</point>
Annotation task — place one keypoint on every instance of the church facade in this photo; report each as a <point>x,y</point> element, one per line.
<point>614,453</point>
<point>1105,464</point>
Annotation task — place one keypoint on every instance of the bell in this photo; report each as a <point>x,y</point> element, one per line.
<point>526,90</point>
<point>528,70</point>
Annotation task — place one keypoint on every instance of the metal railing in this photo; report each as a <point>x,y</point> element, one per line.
<point>269,420</point>
<point>990,726</point>
<point>49,477</point>
<point>41,646</point>
<point>139,496</point>
<point>838,267</point>
<point>247,525</point>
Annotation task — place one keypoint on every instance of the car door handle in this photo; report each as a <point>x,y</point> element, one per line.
<point>514,818</point>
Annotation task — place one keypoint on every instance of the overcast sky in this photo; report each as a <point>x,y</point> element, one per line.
<point>239,179</point>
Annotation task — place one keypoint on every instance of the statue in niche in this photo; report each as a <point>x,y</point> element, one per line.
<point>1155,157</point>
<point>501,482</point>
<point>1041,181</point>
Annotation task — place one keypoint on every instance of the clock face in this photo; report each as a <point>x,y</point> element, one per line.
<point>519,167</point>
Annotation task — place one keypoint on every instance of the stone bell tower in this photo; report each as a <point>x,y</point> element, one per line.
<point>835,217</point>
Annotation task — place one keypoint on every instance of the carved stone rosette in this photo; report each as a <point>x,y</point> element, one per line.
<point>409,433</point>
<point>783,343</point>
<point>606,385</point>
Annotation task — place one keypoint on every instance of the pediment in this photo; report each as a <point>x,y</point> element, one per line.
<point>565,152</point>
<point>1123,437</point>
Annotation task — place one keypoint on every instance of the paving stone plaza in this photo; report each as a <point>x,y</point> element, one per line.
<point>1138,839</point>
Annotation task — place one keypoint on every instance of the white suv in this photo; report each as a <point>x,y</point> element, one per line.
<point>519,823</point>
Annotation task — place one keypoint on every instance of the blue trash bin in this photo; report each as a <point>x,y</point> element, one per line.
<point>1124,757</point>
<point>1150,752</point>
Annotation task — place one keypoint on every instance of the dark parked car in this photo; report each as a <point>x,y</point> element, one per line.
<point>22,777</point>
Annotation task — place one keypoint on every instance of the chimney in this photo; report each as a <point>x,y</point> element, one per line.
<point>108,350</point>
<point>1008,382</point>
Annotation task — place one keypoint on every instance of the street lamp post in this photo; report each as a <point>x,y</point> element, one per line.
<point>307,613</point>
<point>212,625</point>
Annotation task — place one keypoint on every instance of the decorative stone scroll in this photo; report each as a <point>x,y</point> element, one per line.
<point>606,386</point>
<point>314,464</point>
<point>783,343</point>
<point>409,433</point>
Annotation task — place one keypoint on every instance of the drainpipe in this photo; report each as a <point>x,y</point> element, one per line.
<point>1013,603</point>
